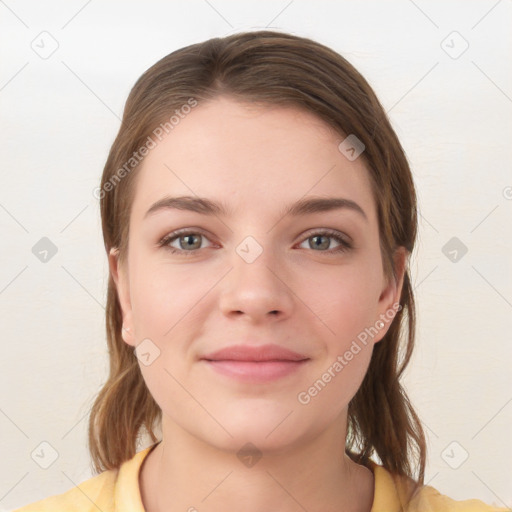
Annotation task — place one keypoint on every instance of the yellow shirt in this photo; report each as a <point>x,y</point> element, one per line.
<point>118,491</point>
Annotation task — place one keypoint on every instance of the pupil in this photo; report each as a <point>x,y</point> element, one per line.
<point>190,240</point>
<point>320,244</point>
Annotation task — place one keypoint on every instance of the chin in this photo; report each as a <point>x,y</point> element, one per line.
<point>272,429</point>
<point>248,439</point>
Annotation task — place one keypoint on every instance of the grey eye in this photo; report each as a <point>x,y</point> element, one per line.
<point>320,241</point>
<point>191,241</point>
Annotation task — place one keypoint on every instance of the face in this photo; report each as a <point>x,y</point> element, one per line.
<point>252,273</point>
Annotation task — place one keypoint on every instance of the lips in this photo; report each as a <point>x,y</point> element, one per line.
<point>255,363</point>
<point>250,353</point>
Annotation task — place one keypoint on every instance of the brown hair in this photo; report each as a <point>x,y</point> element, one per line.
<point>267,68</point>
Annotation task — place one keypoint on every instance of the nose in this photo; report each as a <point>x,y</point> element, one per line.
<point>257,290</point>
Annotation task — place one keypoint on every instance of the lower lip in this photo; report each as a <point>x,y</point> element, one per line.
<point>256,371</point>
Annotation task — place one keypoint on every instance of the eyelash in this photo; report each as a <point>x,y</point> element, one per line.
<point>344,246</point>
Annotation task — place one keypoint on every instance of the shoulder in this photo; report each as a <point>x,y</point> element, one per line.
<point>94,494</point>
<point>429,499</point>
<point>395,493</point>
<point>110,491</point>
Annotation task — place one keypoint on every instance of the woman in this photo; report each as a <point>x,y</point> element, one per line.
<point>258,214</point>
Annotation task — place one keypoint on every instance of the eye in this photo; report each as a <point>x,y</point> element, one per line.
<point>320,240</point>
<point>188,242</point>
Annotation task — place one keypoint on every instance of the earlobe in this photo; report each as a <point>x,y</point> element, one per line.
<point>389,300</point>
<point>120,278</point>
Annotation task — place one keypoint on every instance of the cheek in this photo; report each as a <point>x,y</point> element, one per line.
<point>165,297</point>
<point>344,300</point>
<point>345,306</point>
<point>166,304</point>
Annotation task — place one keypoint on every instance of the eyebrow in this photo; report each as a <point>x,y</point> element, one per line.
<point>206,206</point>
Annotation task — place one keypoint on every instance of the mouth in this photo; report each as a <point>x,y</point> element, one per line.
<point>255,370</point>
<point>255,363</point>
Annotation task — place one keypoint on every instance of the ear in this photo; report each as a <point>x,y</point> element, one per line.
<point>389,300</point>
<point>119,273</point>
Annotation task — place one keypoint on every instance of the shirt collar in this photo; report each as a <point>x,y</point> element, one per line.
<point>127,491</point>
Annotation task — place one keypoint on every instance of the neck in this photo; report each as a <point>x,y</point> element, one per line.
<point>183,473</point>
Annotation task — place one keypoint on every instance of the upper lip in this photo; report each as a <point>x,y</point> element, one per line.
<point>254,353</point>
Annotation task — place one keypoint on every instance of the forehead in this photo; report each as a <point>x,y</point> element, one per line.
<point>251,158</point>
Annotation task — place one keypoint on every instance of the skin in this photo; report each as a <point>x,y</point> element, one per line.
<point>256,160</point>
